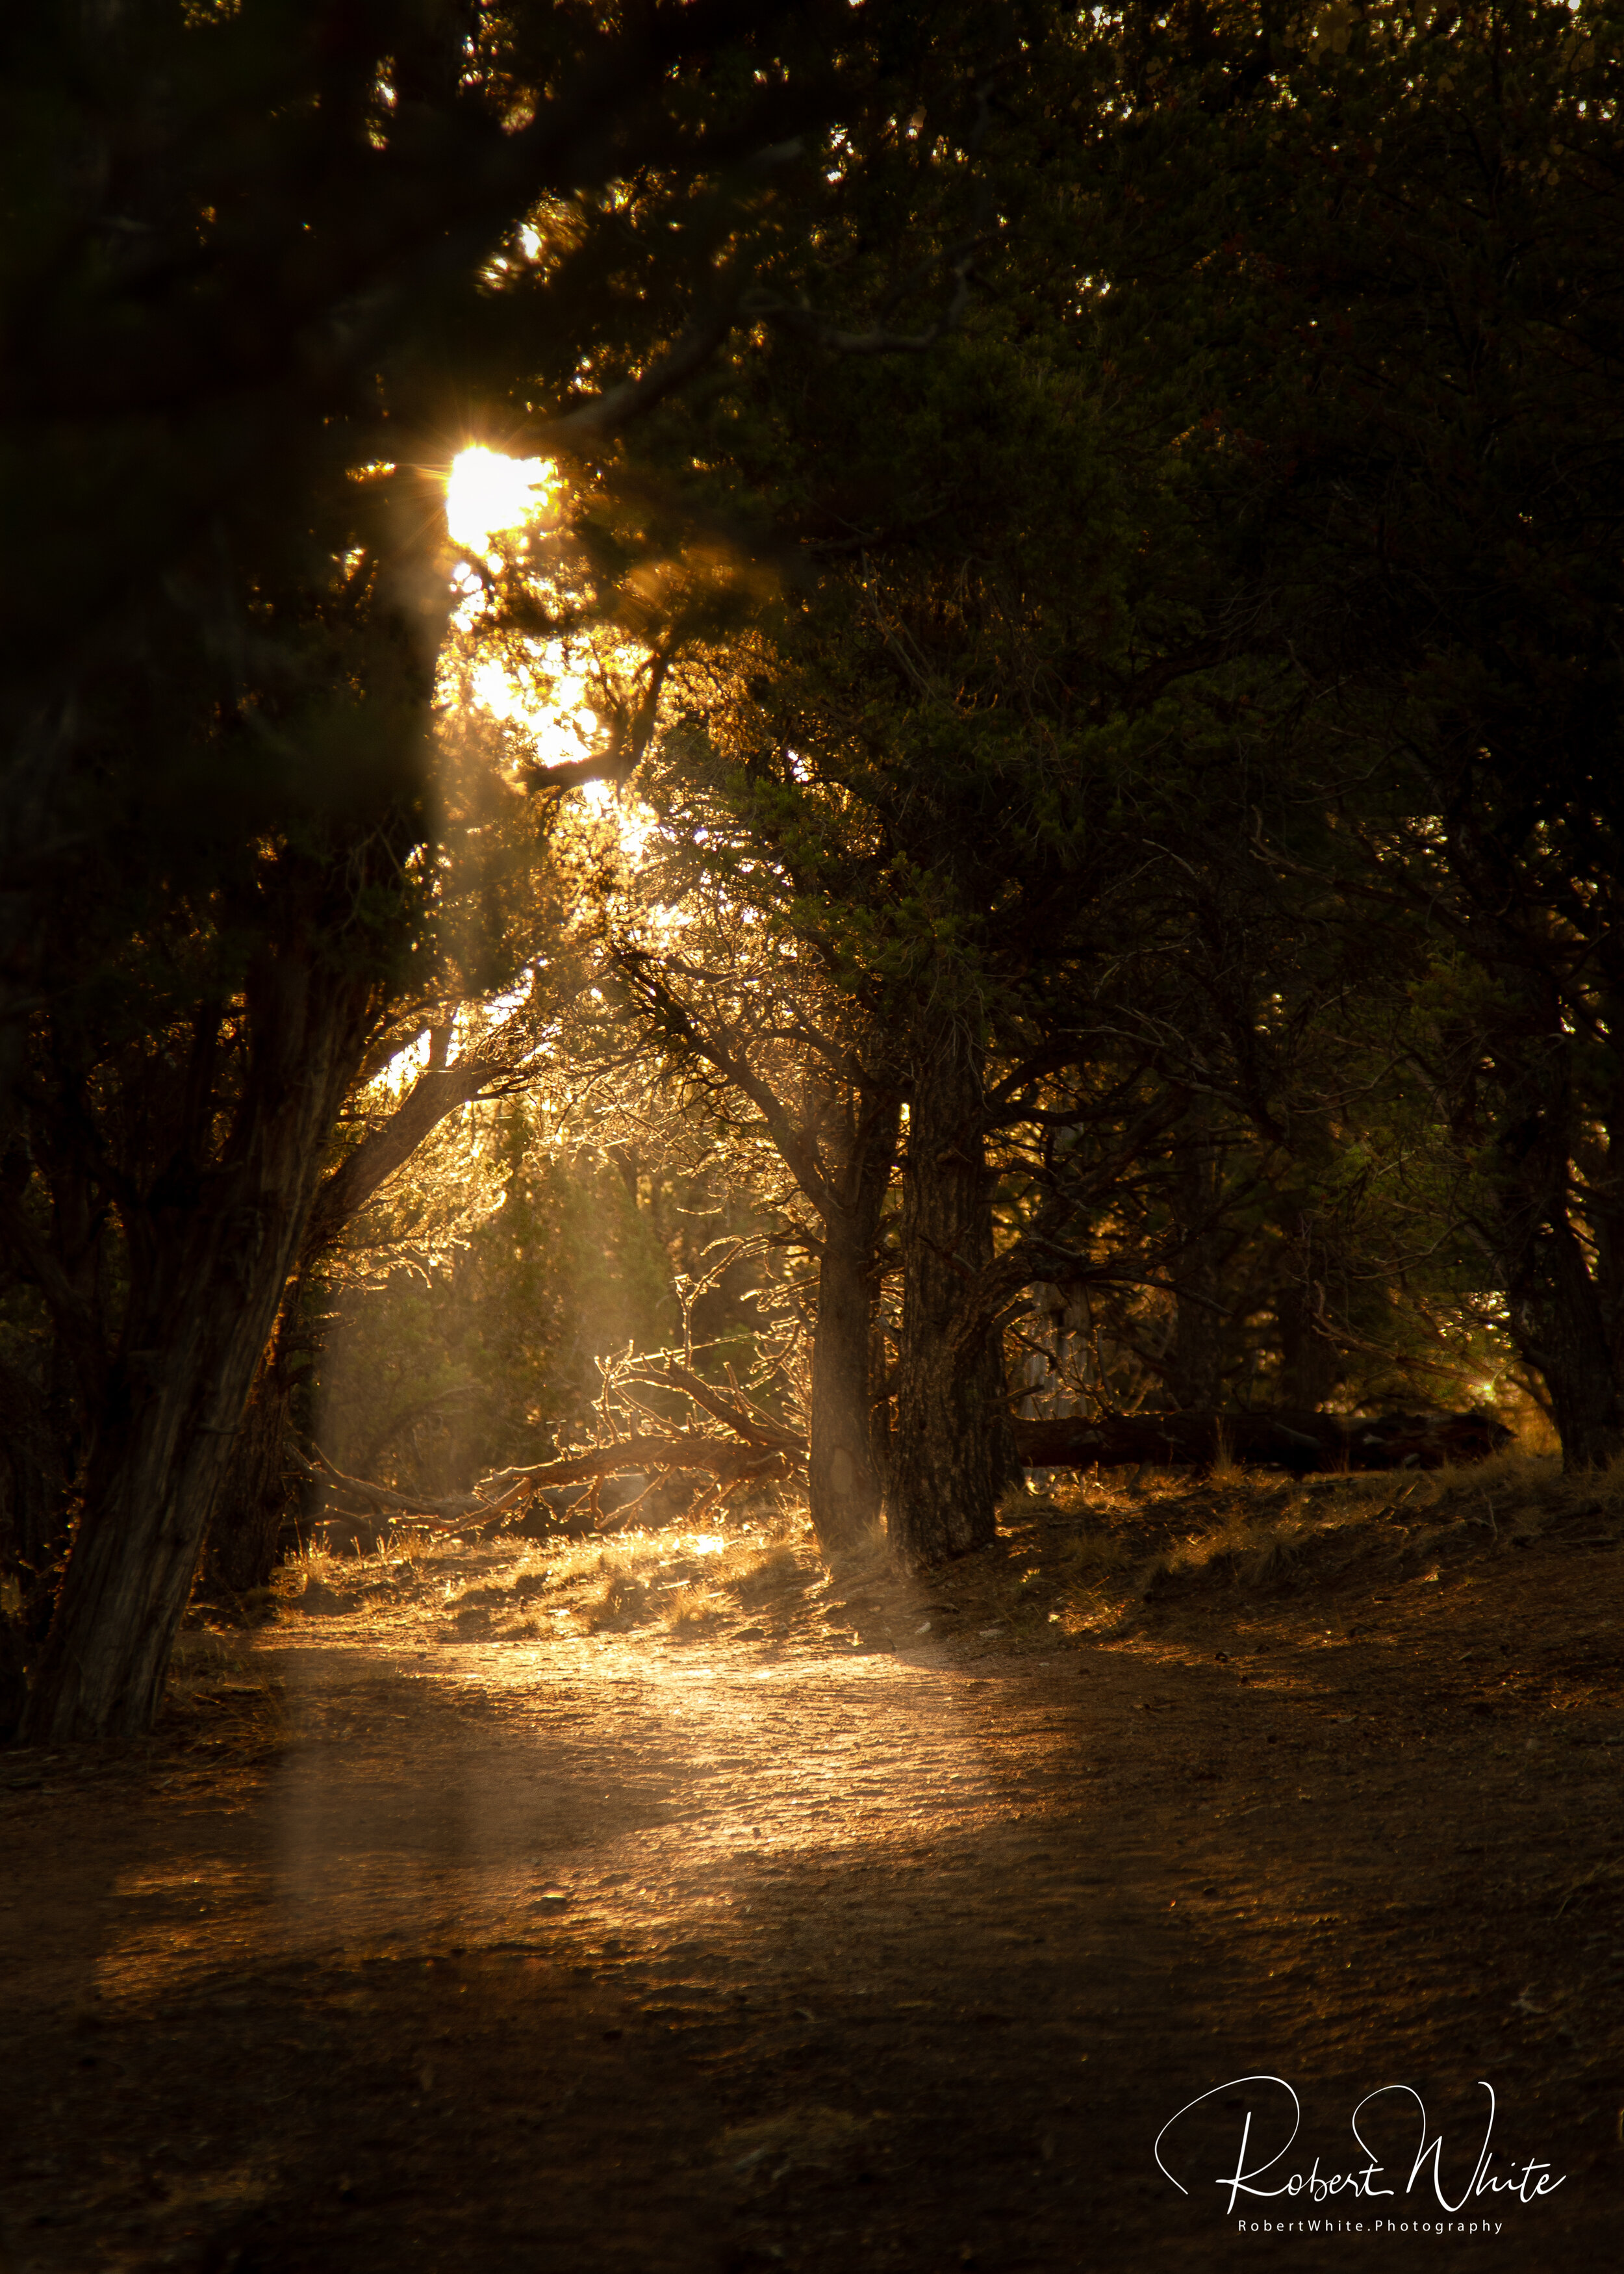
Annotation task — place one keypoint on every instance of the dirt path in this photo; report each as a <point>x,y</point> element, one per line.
<point>795,1947</point>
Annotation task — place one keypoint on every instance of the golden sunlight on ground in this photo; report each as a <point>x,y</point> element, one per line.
<point>661,1898</point>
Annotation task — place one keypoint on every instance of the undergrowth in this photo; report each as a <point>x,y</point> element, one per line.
<point>1084,1555</point>
<point>1239,1529</point>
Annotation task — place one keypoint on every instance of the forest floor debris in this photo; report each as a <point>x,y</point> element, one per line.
<point>667,1903</point>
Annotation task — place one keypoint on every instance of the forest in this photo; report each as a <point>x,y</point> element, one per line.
<point>832,763</point>
<point>993,791</point>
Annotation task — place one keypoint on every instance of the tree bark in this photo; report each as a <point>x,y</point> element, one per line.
<point>244,1540</point>
<point>1557,1315</point>
<point>952,1451</point>
<point>1311,1364</point>
<point>838,1141</point>
<point>211,1249</point>
<point>1558,1324</point>
<point>1194,1363</point>
<point>843,1483</point>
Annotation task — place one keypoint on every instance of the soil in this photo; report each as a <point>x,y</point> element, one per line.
<point>665,1904</point>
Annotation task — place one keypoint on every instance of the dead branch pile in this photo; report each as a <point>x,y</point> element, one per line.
<point>657,1448</point>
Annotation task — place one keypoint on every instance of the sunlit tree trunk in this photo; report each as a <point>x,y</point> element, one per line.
<point>210,1250</point>
<point>844,1480</point>
<point>952,1451</point>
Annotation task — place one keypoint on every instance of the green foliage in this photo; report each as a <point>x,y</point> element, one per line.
<point>1412,360</point>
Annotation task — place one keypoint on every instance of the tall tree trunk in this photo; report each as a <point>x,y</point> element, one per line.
<point>844,1480</point>
<point>1195,1372</point>
<point>1558,1324</point>
<point>244,1539</point>
<point>1311,1364</point>
<point>1558,1318</point>
<point>952,1449</point>
<point>1559,1314</point>
<point>212,1250</point>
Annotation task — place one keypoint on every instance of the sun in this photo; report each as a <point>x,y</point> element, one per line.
<point>487,492</point>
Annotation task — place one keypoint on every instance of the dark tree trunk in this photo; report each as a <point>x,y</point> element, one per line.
<point>844,1480</point>
<point>1195,1368</point>
<point>1195,1372</point>
<point>952,1451</point>
<point>1560,1315</point>
<point>1557,1317</point>
<point>1311,1364</point>
<point>211,1254</point>
<point>245,1535</point>
<point>1558,1323</point>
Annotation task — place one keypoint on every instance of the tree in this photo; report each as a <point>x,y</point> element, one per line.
<point>254,314</point>
<point>911,784</point>
<point>750,1024</point>
<point>1410,349</point>
<point>246,1526</point>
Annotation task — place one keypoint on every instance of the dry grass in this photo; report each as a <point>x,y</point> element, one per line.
<point>1105,1549</point>
<point>1087,1555</point>
<point>686,1583</point>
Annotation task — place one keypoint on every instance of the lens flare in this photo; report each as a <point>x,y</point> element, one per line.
<point>487,493</point>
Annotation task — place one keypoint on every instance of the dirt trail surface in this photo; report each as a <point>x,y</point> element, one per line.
<point>782,1933</point>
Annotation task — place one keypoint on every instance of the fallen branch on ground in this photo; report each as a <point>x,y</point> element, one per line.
<point>731,1463</point>
<point>459,1510</point>
<point>727,1460</point>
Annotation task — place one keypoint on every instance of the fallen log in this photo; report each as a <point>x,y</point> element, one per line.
<point>362,1511</point>
<point>727,1460</point>
<point>461,1509</point>
<point>656,1459</point>
<point>1304,1442</point>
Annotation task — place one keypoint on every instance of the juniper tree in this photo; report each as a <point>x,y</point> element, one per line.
<point>1390,243</point>
<point>266,269</point>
